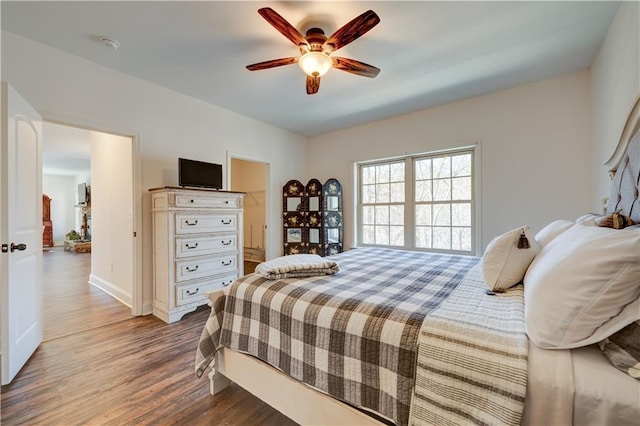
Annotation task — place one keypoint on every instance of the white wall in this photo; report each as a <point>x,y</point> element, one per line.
<point>615,84</point>
<point>167,125</point>
<point>62,191</point>
<point>534,146</point>
<point>112,215</point>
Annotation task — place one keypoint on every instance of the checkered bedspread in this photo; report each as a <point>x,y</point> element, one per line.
<point>353,335</point>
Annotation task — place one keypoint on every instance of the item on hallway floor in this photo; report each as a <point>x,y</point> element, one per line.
<point>77,246</point>
<point>250,267</point>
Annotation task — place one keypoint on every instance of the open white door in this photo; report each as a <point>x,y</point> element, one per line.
<point>20,232</point>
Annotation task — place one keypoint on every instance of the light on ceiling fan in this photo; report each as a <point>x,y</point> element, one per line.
<point>315,64</point>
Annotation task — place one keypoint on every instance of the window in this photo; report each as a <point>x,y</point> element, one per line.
<point>383,196</point>
<point>422,202</point>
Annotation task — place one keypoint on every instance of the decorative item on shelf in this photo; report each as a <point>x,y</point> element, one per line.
<point>312,217</point>
<point>84,228</point>
<point>84,204</point>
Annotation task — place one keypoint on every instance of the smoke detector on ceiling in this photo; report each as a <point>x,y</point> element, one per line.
<point>109,42</point>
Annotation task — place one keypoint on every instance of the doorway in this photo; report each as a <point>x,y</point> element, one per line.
<point>101,251</point>
<point>251,177</point>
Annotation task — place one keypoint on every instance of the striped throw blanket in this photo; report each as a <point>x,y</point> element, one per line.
<point>472,359</point>
<point>354,335</point>
<point>297,266</point>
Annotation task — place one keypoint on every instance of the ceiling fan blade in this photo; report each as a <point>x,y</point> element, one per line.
<point>355,67</point>
<point>271,64</point>
<point>281,24</point>
<point>313,84</point>
<point>353,29</point>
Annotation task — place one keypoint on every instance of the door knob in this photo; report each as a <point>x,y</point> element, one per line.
<point>20,247</point>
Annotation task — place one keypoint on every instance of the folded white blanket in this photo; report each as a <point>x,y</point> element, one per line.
<point>296,266</point>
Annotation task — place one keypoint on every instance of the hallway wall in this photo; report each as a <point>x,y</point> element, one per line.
<point>62,191</point>
<point>112,215</point>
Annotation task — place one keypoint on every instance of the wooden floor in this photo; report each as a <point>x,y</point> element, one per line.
<point>131,370</point>
<point>70,304</point>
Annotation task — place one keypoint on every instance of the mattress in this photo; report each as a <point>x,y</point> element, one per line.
<point>355,335</point>
<point>579,387</point>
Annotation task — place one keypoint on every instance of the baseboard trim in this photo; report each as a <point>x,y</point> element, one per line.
<point>147,307</point>
<point>111,290</point>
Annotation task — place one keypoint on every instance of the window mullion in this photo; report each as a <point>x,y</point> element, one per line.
<point>409,204</point>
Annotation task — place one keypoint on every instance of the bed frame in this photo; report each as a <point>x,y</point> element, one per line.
<point>296,400</point>
<point>299,402</point>
<point>631,127</point>
<point>306,405</point>
<point>624,167</point>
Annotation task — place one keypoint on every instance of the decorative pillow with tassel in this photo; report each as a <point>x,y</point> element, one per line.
<point>623,349</point>
<point>614,220</point>
<point>507,258</point>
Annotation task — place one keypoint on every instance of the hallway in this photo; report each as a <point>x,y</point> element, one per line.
<point>70,303</point>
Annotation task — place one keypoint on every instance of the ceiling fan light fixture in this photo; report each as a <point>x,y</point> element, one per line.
<point>315,64</point>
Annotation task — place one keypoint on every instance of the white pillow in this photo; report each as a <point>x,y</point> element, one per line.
<point>583,286</point>
<point>503,263</point>
<point>552,230</point>
<point>589,219</point>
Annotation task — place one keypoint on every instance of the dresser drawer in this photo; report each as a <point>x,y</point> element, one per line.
<point>190,269</point>
<point>194,200</point>
<point>196,292</point>
<point>189,223</point>
<point>200,246</point>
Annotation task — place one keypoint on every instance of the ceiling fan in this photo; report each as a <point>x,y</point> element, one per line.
<point>316,48</point>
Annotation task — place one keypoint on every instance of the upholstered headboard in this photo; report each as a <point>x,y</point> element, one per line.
<point>625,162</point>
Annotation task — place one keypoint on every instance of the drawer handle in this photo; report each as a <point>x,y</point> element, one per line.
<point>226,283</point>
<point>226,202</point>
<point>191,201</point>
<point>193,292</point>
<point>194,223</point>
<point>226,222</point>
<point>190,247</point>
<point>226,243</point>
<point>191,269</point>
<point>226,263</point>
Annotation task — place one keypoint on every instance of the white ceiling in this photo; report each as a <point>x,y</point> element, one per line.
<point>66,150</point>
<point>430,52</point>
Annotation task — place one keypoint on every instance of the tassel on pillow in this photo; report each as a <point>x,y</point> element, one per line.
<point>523,243</point>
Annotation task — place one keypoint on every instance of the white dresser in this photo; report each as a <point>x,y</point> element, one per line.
<point>197,247</point>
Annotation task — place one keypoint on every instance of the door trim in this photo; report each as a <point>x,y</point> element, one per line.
<point>138,307</point>
<point>269,249</point>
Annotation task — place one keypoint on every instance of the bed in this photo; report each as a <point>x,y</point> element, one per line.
<point>402,337</point>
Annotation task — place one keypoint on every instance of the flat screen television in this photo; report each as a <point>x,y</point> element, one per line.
<point>82,193</point>
<point>199,174</point>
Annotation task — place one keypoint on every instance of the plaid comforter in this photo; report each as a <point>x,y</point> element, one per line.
<point>353,335</point>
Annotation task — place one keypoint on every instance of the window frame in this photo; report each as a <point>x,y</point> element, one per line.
<point>410,203</point>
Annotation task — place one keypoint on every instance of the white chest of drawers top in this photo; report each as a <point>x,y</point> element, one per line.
<point>197,247</point>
